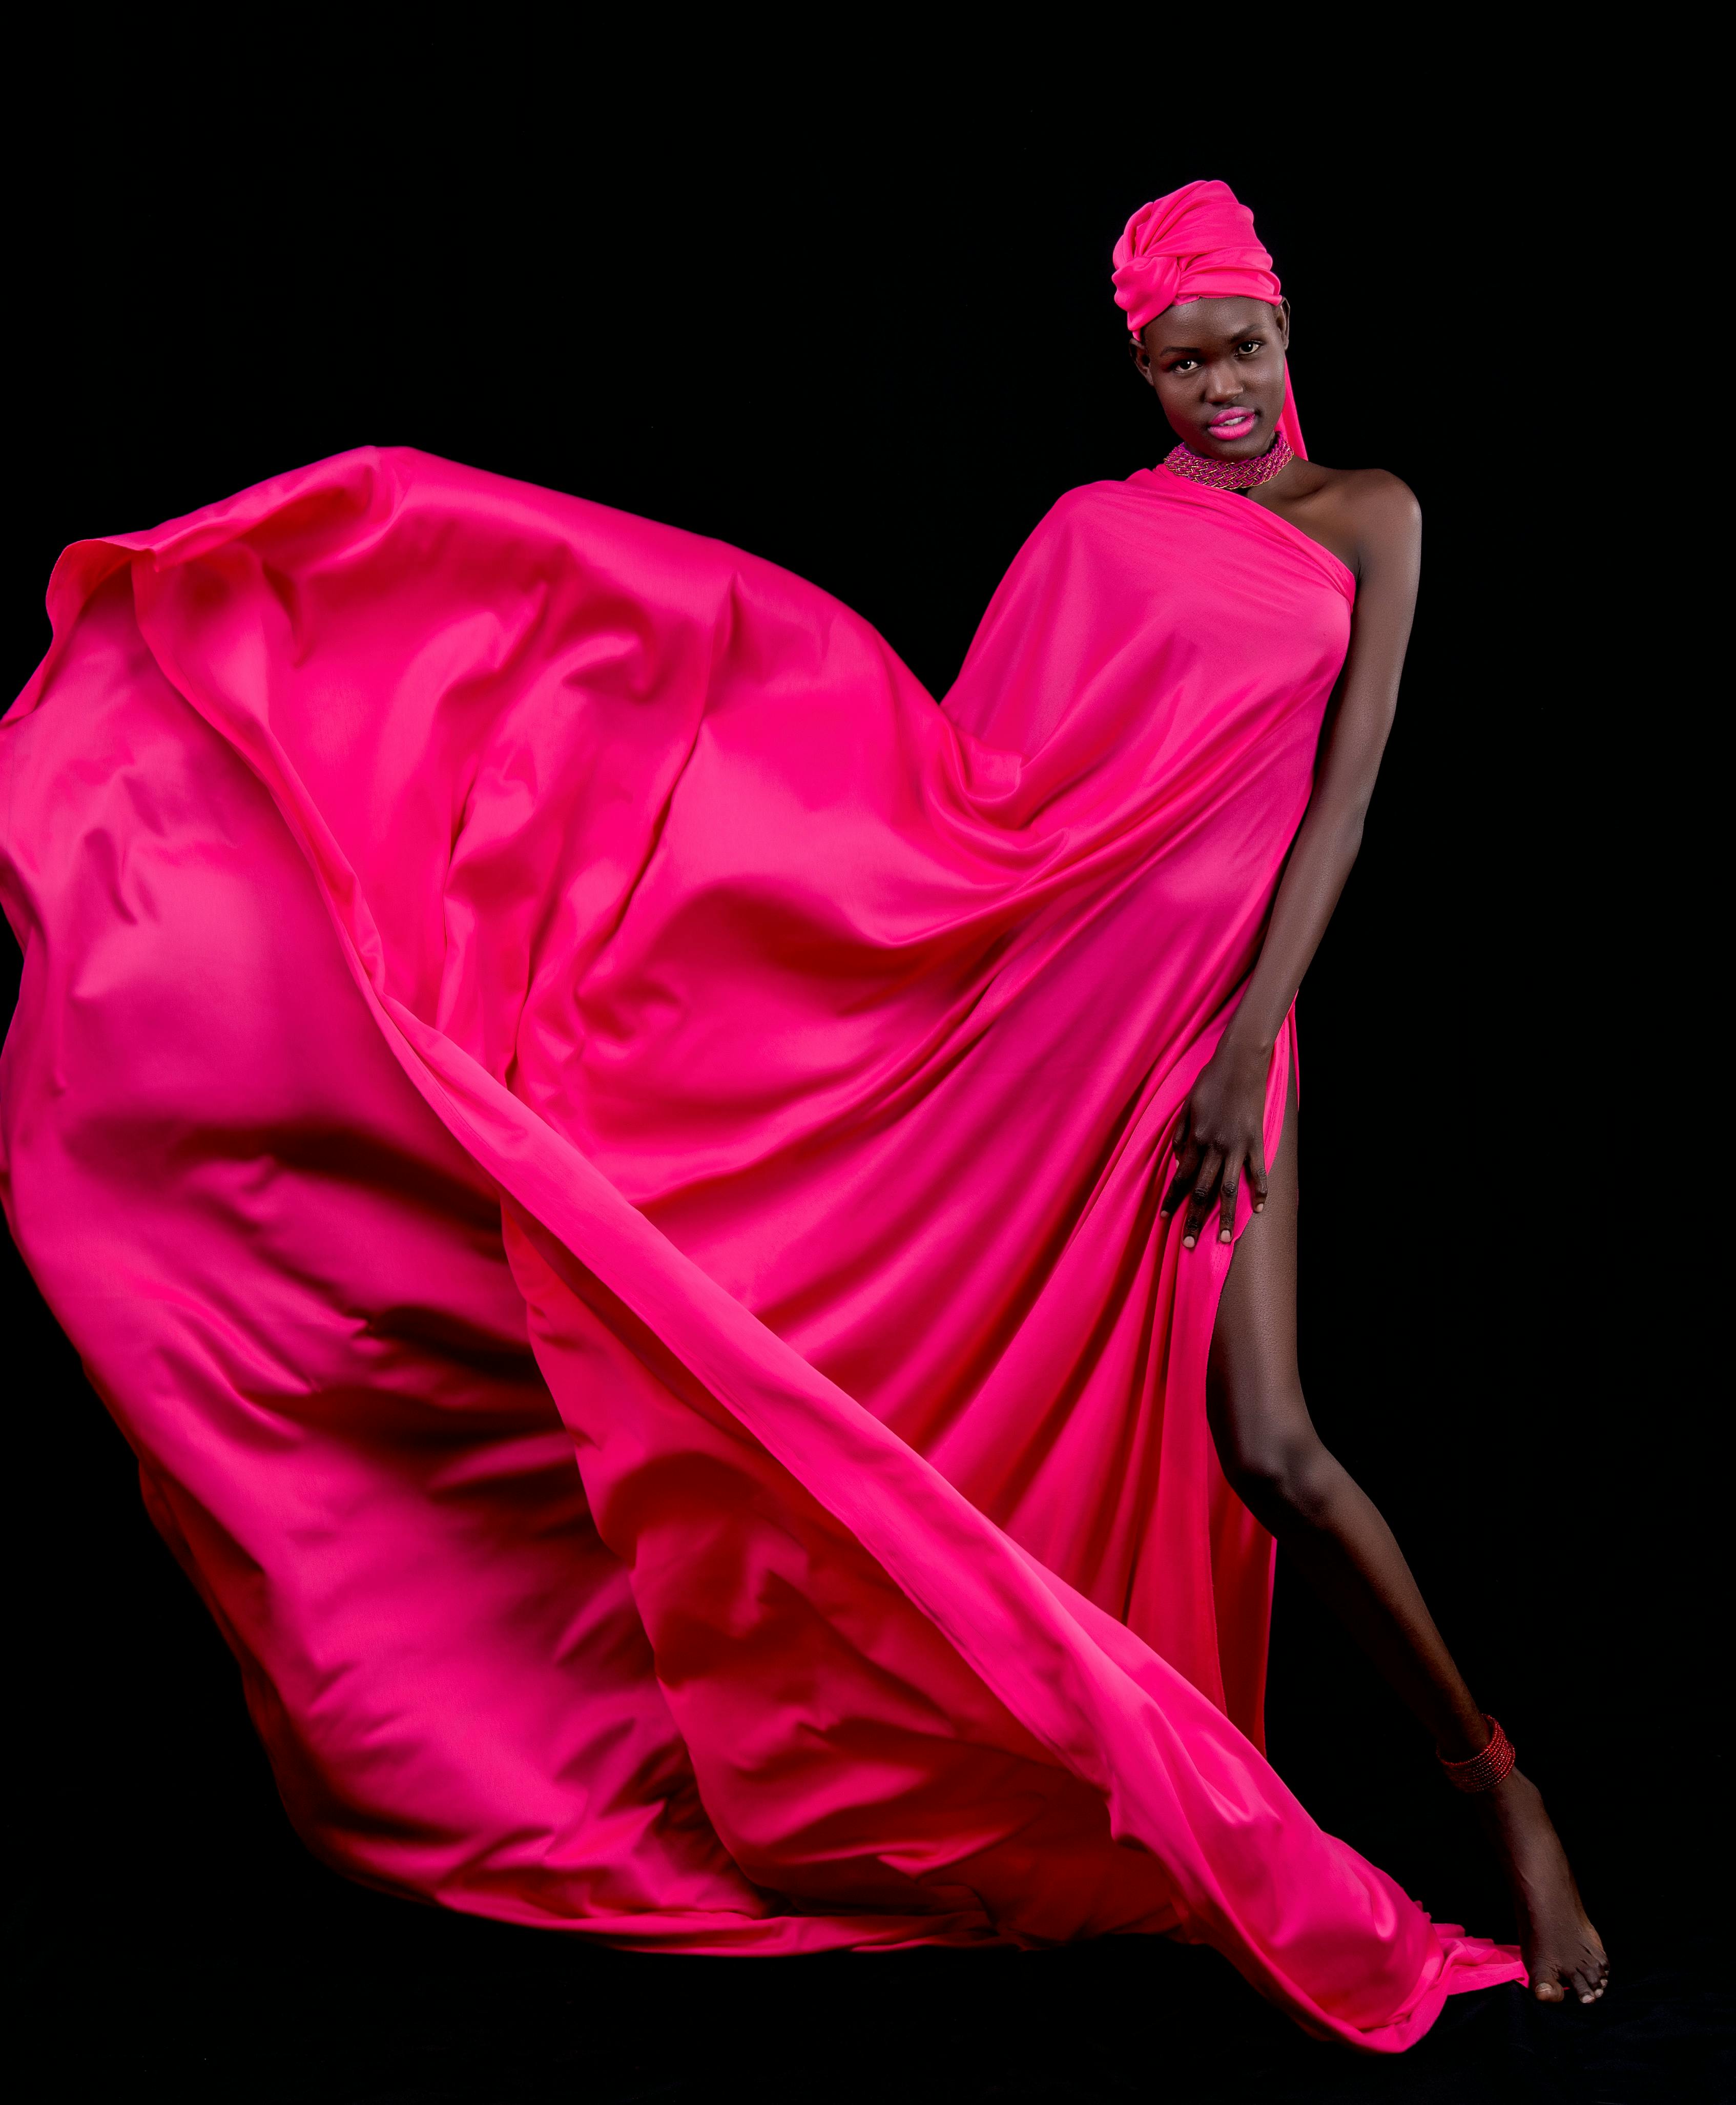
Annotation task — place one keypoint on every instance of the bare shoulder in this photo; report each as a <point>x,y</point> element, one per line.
<point>1369,519</point>
<point>1373,503</point>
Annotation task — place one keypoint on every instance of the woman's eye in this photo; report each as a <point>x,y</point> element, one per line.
<point>1253,343</point>
<point>1184,365</point>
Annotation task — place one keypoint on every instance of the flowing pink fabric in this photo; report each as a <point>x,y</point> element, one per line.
<point>605,1153</point>
<point>1197,242</point>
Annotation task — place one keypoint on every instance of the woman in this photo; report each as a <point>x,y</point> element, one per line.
<point>608,1158</point>
<point>1217,366</point>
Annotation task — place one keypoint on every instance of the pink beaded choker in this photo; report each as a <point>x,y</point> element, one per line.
<point>1232,474</point>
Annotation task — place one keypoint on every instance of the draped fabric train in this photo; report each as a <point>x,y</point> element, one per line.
<point>507,982</point>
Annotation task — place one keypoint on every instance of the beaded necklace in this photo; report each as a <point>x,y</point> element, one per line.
<point>1232,474</point>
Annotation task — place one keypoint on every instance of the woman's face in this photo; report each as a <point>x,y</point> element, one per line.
<point>1218,367</point>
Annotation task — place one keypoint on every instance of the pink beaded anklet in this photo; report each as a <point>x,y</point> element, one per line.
<point>1483,1771</point>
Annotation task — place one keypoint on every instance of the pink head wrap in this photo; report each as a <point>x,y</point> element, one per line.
<point>1198,242</point>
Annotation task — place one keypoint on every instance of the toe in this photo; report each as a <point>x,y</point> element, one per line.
<point>1546,1989</point>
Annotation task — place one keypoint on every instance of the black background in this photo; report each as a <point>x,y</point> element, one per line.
<point>875,349</point>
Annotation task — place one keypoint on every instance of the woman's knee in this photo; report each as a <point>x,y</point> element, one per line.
<point>1274,1460</point>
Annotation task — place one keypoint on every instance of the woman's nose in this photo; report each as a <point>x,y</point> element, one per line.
<point>1223,383</point>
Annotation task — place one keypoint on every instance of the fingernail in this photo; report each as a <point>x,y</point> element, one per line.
<point>1187,1242</point>
<point>1223,1235</point>
<point>1259,1205</point>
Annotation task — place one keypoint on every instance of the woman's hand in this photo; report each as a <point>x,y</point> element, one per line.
<point>1221,1131</point>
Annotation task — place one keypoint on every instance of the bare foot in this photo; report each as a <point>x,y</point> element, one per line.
<point>1563,1954</point>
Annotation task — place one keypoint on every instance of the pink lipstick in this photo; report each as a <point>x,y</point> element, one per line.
<point>1234,424</point>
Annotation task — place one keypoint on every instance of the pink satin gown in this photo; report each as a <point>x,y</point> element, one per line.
<point>604,1153</point>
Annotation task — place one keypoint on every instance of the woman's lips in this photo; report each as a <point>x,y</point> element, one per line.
<point>1237,424</point>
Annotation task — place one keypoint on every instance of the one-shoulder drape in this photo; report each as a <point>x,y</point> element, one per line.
<point>605,1152</point>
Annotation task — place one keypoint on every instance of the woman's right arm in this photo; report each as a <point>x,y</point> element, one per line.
<point>1221,1131</point>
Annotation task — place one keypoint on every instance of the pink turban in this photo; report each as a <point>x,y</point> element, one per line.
<point>1198,242</point>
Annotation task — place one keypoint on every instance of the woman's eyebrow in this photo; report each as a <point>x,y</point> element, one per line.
<point>1199,351</point>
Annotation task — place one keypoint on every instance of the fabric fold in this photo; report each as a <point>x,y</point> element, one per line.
<point>603,1151</point>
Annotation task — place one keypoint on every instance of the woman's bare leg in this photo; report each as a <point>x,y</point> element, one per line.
<point>1330,1530</point>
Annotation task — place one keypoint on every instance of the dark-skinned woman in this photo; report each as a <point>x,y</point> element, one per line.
<point>674,1227</point>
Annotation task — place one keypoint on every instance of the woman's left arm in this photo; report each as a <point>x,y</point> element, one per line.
<point>1221,1127</point>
